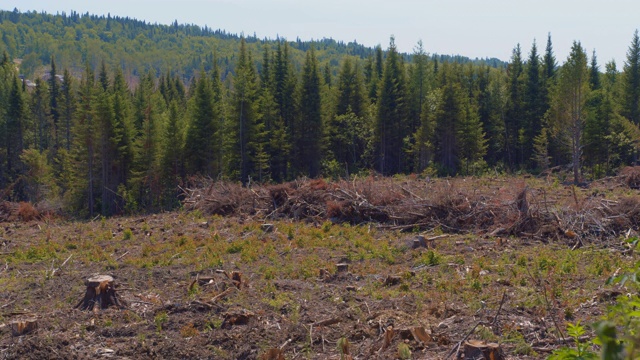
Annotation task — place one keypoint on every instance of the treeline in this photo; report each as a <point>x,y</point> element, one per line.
<point>93,145</point>
<point>137,46</point>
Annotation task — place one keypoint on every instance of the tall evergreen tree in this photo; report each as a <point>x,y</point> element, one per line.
<point>470,137</point>
<point>631,93</point>
<point>376,75</point>
<point>54,97</point>
<point>569,110</point>
<point>171,156</point>
<point>534,104</point>
<point>309,130</point>
<point>41,120</point>
<point>447,126</point>
<point>106,150</point>
<point>82,196</point>
<point>594,73</point>
<point>67,107</point>
<point>514,117</point>
<point>284,89</point>
<point>245,132</point>
<point>391,126</point>
<point>122,137</point>
<point>202,131</point>
<point>346,129</point>
<point>418,85</point>
<point>16,117</point>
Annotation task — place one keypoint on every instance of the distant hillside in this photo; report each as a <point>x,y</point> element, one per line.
<point>137,46</point>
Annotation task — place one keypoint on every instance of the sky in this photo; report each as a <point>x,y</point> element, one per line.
<point>473,28</point>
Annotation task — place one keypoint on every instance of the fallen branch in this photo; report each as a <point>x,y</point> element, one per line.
<point>328,322</point>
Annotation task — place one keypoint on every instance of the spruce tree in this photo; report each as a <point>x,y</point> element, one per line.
<point>514,117</point>
<point>378,70</point>
<point>594,73</point>
<point>284,89</point>
<point>244,132</point>
<point>447,127</point>
<point>534,104</point>
<point>200,148</point>
<point>391,126</point>
<point>171,156</point>
<point>424,148</point>
<point>569,110</point>
<point>471,139</point>
<point>631,93</point>
<point>309,130</point>
<point>41,120</point>
<point>16,117</point>
<point>67,107</point>
<point>81,196</point>
<point>106,150</point>
<point>54,97</point>
<point>346,129</point>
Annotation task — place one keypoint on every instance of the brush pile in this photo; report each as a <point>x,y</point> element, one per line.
<point>495,206</point>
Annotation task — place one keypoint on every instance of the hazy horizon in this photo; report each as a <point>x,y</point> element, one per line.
<point>489,29</point>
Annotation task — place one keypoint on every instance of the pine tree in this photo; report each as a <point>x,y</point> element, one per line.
<point>391,126</point>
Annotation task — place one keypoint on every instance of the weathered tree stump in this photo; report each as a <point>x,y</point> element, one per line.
<point>24,326</point>
<point>100,290</point>
<point>342,267</point>
<point>475,349</point>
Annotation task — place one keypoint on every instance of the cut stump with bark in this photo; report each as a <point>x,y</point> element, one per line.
<point>475,349</point>
<point>24,326</point>
<point>101,290</point>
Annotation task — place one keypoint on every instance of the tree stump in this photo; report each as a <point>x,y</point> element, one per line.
<point>24,326</point>
<point>475,349</point>
<point>101,290</point>
<point>342,267</point>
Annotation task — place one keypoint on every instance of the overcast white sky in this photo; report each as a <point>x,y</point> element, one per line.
<point>474,28</point>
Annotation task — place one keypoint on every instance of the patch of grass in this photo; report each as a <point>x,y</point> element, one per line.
<point>160,319</point>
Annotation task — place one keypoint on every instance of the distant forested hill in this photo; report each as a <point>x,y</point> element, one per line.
<point>137,46</point>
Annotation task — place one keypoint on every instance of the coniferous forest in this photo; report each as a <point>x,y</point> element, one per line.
<point>107,115</point>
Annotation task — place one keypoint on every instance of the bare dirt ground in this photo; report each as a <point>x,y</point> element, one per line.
<point>254,285</point>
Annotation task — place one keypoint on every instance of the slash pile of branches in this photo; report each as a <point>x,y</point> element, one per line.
<point>499,207</point>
